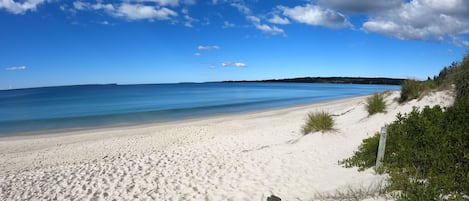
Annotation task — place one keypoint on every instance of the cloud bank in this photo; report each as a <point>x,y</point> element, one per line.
<point>360,6</point>
<point>406,20</point>
<point>422,20</point>
<point>403,19</point>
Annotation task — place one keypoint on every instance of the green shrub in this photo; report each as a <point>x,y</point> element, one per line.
<point>319,121</point>
<point>410,89</point>
<point>427,153</point>
<point>462,82</point>
<point>375,104</point>
<point>447,76</point>
<point>457,73</point>
<point>365,157</point>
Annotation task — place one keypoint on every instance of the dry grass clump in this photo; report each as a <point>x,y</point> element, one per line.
<point>318,121</point>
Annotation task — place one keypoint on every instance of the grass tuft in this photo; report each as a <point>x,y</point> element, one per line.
<point>375,104</point>
<point>354,193</point>
<point>319,121</point>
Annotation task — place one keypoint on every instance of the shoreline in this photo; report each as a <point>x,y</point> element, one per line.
<point>245,156</point>
<point>136,125</point>
<point>154,103</point>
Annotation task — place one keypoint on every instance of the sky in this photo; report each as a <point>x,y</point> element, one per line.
<point>66,42</point>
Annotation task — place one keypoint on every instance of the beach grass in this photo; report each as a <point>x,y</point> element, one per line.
<point>375,104</point>
<point>318,121</point>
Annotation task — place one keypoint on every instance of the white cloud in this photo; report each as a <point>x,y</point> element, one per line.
<point>139,12</point>
<point>278,20</point>
<point>161,2</point>
<point>167,2</point>
<point>172,3</point>
<point>197,54</point>
<point>264,27</point>
<point>233,64</point>
<point>130,11</point>
<point>316,16</point>
<point>360,6</point>
<point>107,7</point>
<point>254,19</point>
<point>273,30</point>
<point>212,47</point>
<point>422,20</point>
<point>79,5</point>
<point>20,7</point>
<point>241,8</point>
<point>270,29</point>
<point>16,68</point>
<point>188,19</point>
<point>465,43</point>
<point>227,24</point>
<point>459,41</point>
<point>450,7</point>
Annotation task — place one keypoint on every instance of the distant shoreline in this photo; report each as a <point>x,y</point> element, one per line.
<point>325,80</point>
<point>334,80</point>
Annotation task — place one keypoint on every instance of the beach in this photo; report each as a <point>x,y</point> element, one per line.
<point>247,156</point>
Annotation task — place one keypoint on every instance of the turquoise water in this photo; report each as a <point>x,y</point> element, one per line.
<point>56,108</point>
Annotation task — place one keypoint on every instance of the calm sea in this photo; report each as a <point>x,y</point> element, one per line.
<point>35,110</point>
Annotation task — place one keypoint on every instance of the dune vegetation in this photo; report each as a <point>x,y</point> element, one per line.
<point>375,104</point>
<point>427,150</point>
<point>318,121</point>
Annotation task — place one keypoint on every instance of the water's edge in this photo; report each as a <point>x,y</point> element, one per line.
<point>275,96</point>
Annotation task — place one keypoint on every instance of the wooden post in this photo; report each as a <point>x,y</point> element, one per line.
<point>381,147</point>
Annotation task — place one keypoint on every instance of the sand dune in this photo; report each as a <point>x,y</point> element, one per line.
<point>235,157</point>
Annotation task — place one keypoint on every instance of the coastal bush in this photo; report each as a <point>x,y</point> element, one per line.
<point>462,80</point>
<point>447,75</point>
<point>319,121</point>
<point>455,74</point>
<point>375,104</point>
<point>410,89</point>
<point>365,156</point>
<point>427,153</point>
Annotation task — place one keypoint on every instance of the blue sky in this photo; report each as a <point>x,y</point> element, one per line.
<point>58,42</point>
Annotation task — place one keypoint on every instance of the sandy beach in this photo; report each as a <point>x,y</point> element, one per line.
<point>246,156</point>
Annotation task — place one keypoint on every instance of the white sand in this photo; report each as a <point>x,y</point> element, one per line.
<point>234,157</point>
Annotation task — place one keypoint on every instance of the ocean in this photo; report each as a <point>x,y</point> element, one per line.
<point>52,109</point>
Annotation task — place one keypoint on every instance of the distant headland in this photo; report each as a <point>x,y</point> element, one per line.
<point>334,80</point>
